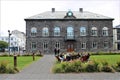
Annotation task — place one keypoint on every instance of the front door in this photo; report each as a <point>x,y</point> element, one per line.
<point>70,47</point>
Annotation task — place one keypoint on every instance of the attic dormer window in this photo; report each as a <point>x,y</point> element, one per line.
<point>69,15</point>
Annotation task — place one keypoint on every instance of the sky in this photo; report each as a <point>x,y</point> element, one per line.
<point>13,12</point>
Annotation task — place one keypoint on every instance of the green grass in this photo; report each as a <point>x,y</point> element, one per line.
<point>22,61</point>
<point>111,59</point>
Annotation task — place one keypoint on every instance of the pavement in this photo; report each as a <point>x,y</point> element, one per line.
<point>41,70</point>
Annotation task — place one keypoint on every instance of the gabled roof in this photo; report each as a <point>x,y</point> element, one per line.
<point>62,14</point>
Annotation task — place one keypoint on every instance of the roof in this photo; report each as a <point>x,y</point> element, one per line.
<point>62,14</point>
<point>118,26</point>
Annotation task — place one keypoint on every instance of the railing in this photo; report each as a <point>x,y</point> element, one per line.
<point>69,38</point>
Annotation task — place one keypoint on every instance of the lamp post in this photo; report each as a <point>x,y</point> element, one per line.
<point>9,41</point>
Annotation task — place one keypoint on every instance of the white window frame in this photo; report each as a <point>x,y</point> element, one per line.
<point>45,45</point>
<point>57,31</point>
<point>33,31</point>
<point>82,31</point>
<point>45,32</point>
<point>94,31</point>
<point>106,43</point>
<point>34,44</point>
<point>105,31</point>
<point>94,43</point>
<point>83,45</point>
<point>57,45</point>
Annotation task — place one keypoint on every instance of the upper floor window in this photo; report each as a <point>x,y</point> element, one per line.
<point>70,31</point>
<point>56,31</point>
<point>94,31</point>
<point>82,31</point>
<point>33,31</point>
<point>105,31</point>
<point>45,31</point>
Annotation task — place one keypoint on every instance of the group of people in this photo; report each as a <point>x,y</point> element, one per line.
<point>68,56</point>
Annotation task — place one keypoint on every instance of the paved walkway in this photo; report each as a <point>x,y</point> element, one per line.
<point>41,70</point>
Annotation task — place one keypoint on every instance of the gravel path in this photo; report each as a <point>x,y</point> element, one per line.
<point>41,70</point>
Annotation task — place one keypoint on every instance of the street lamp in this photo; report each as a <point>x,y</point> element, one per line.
<point>9,40</point>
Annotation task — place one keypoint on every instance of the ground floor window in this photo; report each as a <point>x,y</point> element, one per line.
<point>106,44</point>
<point>45,45</point>
<point>33,45</point>
<point>94,45</point>
<point>57,44</point>
<point>83,45</point>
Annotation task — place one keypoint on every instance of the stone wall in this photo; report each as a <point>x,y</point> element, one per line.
<point>63,24</point>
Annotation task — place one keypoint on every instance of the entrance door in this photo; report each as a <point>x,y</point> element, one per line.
<point>70,47</point>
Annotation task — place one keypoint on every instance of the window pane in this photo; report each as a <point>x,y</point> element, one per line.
<point>45,32</point>
<point>94,45</point>
<point>94,31</point>
<point>70,31</point>
<point>33,45</point>
<point>82,31</point>
<point>105,44</point>
<point>83,45</point>
<point>33,31</point>
<point>56,31</point>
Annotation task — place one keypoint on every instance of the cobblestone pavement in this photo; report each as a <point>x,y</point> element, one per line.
<point>41,70</point>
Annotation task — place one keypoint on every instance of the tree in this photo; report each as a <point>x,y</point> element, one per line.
<point>3,45</point>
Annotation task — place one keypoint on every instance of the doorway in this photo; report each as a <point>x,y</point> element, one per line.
<point>70,47</point>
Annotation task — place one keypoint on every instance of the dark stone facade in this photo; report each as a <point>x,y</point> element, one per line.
<point>76,42</point>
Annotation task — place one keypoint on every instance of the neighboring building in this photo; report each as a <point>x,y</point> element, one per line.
<point>14,46</point>
<point>17,40</point>
<point>70,31</point>
<point>116,37</point>
<point>22,38</point>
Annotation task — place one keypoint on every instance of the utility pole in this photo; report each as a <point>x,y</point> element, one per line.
<point>9,41</point>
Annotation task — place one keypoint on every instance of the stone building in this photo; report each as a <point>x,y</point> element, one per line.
<point>69,31</point>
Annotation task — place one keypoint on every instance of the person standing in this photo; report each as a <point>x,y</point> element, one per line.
<point>55,51</point>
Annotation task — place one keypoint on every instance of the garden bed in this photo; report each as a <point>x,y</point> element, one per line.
<point>97,63</point>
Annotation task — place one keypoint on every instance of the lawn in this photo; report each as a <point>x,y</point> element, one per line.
<point>111,59</point>
<point>22,61</point>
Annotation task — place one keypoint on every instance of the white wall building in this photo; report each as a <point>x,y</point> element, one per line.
<point>17,40</point>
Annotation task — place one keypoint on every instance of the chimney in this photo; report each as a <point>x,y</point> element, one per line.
<point>53,10</point>
<point>81,10</point>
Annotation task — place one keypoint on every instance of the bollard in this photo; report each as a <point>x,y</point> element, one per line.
<point>33,56</point>
<point>15,61</point>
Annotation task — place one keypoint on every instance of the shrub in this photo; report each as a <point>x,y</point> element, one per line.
<point>118,66</point>
<point>92,67</point>
<point>3,66</point>
<point>107,69</point>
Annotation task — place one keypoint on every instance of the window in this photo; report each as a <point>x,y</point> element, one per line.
<point>33,31</point>
<point>56,31</point>
<point>57,44</point>
<point>33,45</point>
<point>45,45</point>
<point>82,31</point>
<point>45,31</point>
<point>105,31</point>
<point>83,45</point>
<point>106,44</point>
<point>70,31</point>
<point>94,31</point>
<point>94,45</point>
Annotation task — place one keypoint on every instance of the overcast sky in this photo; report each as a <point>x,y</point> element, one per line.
<point>13,12</point>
